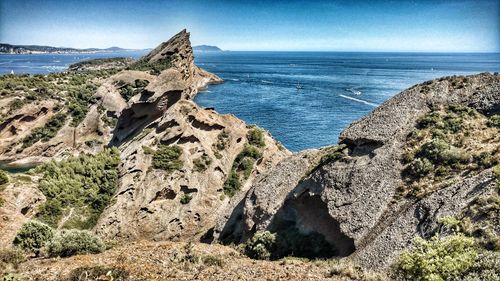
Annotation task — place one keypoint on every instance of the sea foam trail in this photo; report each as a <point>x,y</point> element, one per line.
<point>358,100</point>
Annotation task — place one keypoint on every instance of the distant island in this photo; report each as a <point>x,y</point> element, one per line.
<point>36,49</point>
<point>206,48</point>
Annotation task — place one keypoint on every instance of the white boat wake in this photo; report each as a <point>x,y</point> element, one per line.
<point>358,100</point>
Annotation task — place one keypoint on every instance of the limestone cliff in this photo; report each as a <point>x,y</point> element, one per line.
<point>353,196</point>
<point>140,107</point>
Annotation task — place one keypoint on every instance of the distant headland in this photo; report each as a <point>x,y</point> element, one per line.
<point>36,49</point>
<point>206,48</point>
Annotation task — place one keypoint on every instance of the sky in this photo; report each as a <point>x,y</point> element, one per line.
<point>342,25</point>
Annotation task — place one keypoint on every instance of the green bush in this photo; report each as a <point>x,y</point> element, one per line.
<point>50,212</point>
<point>243,163</point>
<point>261,245</point>
<point>74,242</point>
<point>222,141</point>
<point>232,184</point>
<point>248,151</point>
<point>85,183</point>
<point>246,165</point>
<point>4,178</point>
<point>186,198</point>
<point>33,236</point>
<point>420,167</point>
<point>494,121</point>
<point>430,120</point>
<point>438,259</point>
<point>439,152</point>
<point>167,158</point>
<point>255,136</point>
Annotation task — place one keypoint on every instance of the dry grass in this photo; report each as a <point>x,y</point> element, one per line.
<point>181,261</point>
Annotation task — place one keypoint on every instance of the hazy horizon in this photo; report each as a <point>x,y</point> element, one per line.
<point>463,26</point>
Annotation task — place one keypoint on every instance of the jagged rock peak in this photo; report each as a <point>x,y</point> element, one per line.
<point>179,44</point>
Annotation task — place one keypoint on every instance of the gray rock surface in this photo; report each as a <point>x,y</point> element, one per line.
<point>351,201</point>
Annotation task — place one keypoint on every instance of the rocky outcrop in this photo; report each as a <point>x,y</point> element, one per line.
<point>150,203</point>
<point>351,201</point>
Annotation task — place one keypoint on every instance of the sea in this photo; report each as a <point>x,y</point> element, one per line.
<point>304,99</point>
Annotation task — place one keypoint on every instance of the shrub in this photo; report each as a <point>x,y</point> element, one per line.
<point>438,259</point>
<point>186,198</point>
<point>255,136</point>
<point>246,165</point>
<point>494,121</point>
<point>261,245</point>
<point>232,184</point>
<point>420,167</point>
<point>429,120</point>
<point>222,141</point>
<point>3,177</point>
<point>167,158</point>
<point>202,163</point>
<point>248,151</point>
<point>50,212</point>
<point>439,152</point>
<point>74,242</point>
<point>85,183</point>
<point>33,236</point>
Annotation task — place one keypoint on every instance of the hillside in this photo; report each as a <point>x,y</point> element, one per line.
<point>206,48</point>
<point>132,180</point>
<point>36,49</point>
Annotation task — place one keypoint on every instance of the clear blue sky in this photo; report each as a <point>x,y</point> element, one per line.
<point>462,25</point>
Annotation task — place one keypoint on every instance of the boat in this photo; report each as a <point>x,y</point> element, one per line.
<point>299,87</point>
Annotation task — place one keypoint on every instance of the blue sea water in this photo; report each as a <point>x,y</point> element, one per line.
<point>335,88</point>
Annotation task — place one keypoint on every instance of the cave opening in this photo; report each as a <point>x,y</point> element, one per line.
<point>304,228</point>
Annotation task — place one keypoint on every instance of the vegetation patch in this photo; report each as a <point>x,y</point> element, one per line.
<point>221,144</point>
<point>202,163</point>
<point>33,236</point>
<point>242,168</point>
<point>255,136</point>
<point>186,198</point>
<point>154,68</point>
<point>46,132</point>
<point>79,186</point>
<point>438,258</point>
<point>72,242</point>
<point>167,158</point>
<point>494,121</point>
<point>127,90</point>
<point>447,142</point>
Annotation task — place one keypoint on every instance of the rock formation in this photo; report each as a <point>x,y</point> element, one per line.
<point>353,201</point>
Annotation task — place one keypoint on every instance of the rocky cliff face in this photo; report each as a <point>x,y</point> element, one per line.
<point>352,196</point>
<point>151,101</point>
